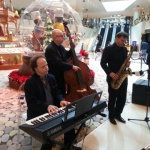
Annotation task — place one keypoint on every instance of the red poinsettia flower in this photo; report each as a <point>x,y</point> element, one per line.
<point>14,75</point>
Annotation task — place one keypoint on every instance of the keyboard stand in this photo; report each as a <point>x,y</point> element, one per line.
<point>69,145</point>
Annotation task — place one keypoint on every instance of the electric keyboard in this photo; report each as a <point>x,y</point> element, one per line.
<point>50,127</point>
<point>47,116</point>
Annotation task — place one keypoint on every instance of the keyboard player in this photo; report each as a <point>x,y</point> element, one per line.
<point>42,96</point>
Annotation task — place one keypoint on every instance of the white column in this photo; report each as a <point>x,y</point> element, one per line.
<point>105,35</point>
<point>99,31</point>
<point>100,28</point>
<point>137,13</point>
<point>113,33</point>
<point>94,22</point>
<point>122,27</point>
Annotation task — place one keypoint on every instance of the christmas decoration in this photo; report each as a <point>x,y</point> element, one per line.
<point>38,33</point>
<point>15,79</point>
<point>48,32</point>
<point>16,59</point>
<point>16,12</point>
<point>1,60</point>
<point>59,19</point>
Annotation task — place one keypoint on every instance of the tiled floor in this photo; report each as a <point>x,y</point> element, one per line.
<point>9,110</point>
<point>134,135</point>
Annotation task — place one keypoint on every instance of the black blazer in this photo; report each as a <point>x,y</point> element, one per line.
<point>56,57</point>
<point>148,56</point>
<point>112,59</point>
<point>36,97</point>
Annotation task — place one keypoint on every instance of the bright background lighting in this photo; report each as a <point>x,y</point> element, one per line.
<point>117,5</point>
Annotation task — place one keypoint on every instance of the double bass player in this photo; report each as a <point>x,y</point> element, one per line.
<point>57,56</point>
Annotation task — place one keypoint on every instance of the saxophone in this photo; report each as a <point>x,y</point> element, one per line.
<point>122,73</point>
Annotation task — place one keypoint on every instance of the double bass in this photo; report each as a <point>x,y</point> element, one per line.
<point>78,83</point>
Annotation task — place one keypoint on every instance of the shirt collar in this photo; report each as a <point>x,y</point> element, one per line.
<point>45,77</point>
<point>40,77</point>
<point>117,46</point>
<point>56,44</point>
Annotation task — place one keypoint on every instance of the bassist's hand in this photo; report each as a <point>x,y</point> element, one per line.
<point>75,68</point>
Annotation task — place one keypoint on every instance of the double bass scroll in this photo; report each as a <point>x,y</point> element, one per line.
<point>78,82</point>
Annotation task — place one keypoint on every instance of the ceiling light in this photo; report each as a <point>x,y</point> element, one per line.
<point>116,5</point>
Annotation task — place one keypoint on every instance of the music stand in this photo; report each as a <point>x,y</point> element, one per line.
<point>147,103</point>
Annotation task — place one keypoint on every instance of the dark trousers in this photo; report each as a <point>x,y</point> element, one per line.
<point>62,88</point>
<point>117,99</point>
<point>61,85</point>
<point>68,137</point>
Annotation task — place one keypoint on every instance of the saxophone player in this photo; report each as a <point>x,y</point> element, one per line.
<point>112,59</point>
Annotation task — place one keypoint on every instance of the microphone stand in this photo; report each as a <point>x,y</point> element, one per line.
<point>147,103</point>
<point>141,62</point>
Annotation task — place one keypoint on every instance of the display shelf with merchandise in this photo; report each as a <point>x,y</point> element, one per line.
<point>12,53</point>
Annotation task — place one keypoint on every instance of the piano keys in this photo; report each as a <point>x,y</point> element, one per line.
<point>47,116</point>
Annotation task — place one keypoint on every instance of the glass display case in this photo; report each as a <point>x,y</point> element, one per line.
<point>50,19</point>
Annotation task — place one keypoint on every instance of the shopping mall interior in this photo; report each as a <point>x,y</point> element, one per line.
<point>85,20</point>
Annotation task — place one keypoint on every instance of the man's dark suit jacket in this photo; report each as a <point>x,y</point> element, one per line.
<point>112,59</point>
<point>148,56</point>
<point>36,97</point>
<point>56,57</point>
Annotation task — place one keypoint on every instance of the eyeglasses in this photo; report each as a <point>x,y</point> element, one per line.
<point>62,36</point>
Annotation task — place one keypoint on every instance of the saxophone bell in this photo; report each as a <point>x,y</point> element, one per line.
<point>115,84</point>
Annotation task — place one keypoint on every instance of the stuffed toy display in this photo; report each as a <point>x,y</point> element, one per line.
<point>38,29</point>
<point>58,13</point>
<point>38,32</point>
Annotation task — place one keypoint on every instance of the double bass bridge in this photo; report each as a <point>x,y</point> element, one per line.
<point>82,90</point>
